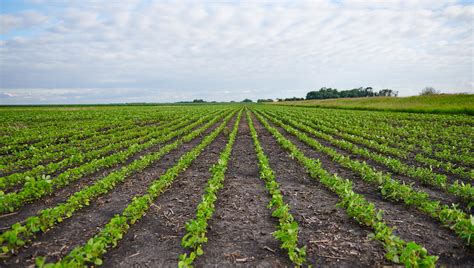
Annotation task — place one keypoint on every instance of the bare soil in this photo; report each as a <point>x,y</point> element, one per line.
<point>61,195</point>
<point>331,237</point>
<point>77,229</point>
<point>155,241</point>
<point>435,192</point>
<point>410,224</point>
<point>240,231</point>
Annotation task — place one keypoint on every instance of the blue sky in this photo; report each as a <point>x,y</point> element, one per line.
<point>94,51</point>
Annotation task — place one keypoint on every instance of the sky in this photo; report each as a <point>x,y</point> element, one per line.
<point>85,51</point>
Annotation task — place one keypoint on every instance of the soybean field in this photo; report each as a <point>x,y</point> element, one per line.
<point>234,185</point>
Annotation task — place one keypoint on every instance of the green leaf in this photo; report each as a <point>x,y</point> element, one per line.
<point>199,251</point>
<point>98,261</point>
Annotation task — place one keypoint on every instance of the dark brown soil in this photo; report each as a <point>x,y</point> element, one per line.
<point>435,192</point>
<point>84,223</point>
<point>331,237</point>
<point>155,241</point>
<point>411,161</point>
<point>411,225</point>
<point>241,229</point>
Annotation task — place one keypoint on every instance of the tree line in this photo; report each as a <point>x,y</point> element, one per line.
<point>333,93</point>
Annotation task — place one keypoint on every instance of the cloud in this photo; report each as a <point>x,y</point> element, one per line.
<point>81,95</point>
<point>221,50</point>
<point>459,12</point>
<point>7,95</point>
<point>25,19</point>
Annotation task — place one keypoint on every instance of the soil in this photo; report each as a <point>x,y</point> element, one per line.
<point>241,228</point>
<point>62,194</point>
<point>331,237</point>
<point>155,241</point>
<point>77,229</point>
<point>240,231</point>
<point>435,192</point>
<point>410,224</point>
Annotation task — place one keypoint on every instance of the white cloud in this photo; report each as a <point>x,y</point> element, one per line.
<point>221,50</point>
<point>460,12</point>
<point>25,19</point>
<point>7,95</point>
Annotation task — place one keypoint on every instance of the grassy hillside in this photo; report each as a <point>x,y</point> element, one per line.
<point>446,103</point>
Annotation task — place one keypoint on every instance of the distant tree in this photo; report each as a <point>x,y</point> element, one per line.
<point>247,100</point>
<point>332,93</point>
<point>429,91</point>
<point>388,93</point>
<point>311,95</point>
<point>264,100</point>
<point>198,101</point>
<point>293,99</point>
<point>323,93</point>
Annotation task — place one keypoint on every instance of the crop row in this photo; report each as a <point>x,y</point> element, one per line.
<point>57,133</point>
<point>38,155</point>
<point>32,131</point>
<point>451,217</point>
<point>354,134</point>
<point>72,148</point>
<point>35,189</point>
<point>24,231</point>
<point>453,149</point>
<point>81,142</point>
<point>288,228</point>
<point>197,228</point>
<point>76,159</point>
<point>428,137</point>
<point>425,175</point>
<point>63,130</point>
<point>93,149</point>
<point>113,231</point>
<point>397,250</point>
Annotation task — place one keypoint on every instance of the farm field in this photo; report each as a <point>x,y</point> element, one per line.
<point>234,185</point>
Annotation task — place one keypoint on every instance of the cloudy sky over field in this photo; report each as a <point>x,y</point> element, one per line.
<point>157,51</point>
